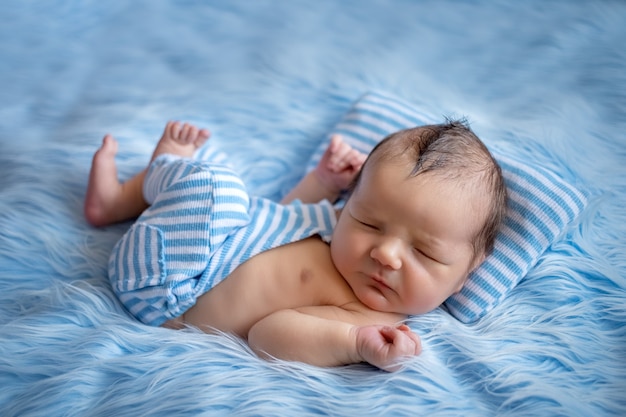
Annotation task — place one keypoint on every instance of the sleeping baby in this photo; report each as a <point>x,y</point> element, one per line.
<point>301,280</point>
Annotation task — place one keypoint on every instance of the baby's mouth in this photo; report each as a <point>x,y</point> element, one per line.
<point>379,282</point>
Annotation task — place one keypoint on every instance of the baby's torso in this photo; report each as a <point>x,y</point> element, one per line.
<point>290,276</point>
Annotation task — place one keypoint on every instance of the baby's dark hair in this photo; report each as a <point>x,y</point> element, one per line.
<point>451,151</point>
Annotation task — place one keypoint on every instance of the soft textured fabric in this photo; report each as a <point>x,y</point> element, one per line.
<point>542,81</point>
<point>541,205</point>
<point>201,225</point>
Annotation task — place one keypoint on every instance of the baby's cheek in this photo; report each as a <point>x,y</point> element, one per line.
<point>418,300</point>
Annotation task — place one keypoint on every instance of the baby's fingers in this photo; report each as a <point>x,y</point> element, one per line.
<point>417,343</point>
<point>404,341</point>
<point>340,157</point>
<point>357,159</point>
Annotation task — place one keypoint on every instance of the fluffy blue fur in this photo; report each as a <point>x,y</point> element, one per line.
<point>270,79</point>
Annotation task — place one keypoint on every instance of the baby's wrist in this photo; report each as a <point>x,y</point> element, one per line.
<point>328,186</point>
<point>355,352</point>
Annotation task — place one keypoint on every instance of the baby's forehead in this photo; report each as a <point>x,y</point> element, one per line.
<point>452,188</point>
<point>400,171</point>
<point>406,170</point>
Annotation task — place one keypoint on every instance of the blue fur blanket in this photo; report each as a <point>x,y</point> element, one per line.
<point>269,79</point>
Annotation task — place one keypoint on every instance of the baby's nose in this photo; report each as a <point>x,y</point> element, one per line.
<point>388,253</point>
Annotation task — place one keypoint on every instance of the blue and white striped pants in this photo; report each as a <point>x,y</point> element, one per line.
<point>201,225</point>
<point>156,268</point>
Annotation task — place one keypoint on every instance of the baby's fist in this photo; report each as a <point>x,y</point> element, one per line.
<point>385,346</point>
<point>339,165</point>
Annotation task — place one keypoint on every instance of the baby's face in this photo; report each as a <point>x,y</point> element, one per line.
<point>404,244</point>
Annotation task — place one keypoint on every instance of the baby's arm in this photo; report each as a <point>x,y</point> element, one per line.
<point>335,172</point>
<point>314,335</point>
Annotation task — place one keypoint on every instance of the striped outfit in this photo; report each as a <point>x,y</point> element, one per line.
<point>200,226</point>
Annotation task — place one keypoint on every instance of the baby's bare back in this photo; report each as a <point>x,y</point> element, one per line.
<point>295,275</point>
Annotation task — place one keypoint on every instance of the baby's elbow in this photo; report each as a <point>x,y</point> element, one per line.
<point>256,340</point>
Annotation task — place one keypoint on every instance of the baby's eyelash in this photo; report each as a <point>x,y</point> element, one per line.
<point>364,223</point>
<point>421,252</point>
<point>367,224</point>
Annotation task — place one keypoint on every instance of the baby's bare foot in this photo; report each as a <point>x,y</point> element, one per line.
<point>181,140</point>
<point>104,187</point>
<point>109,201</point>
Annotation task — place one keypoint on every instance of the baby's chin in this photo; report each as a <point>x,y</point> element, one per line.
<point>376,300</point>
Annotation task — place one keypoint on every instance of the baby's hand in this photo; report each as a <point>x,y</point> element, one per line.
<point>384,346</point>
<point>339,165</point>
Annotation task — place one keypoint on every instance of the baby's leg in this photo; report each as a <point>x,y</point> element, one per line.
<point>107,200</point>
<point>110,201</point>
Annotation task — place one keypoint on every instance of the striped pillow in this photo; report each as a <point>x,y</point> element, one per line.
<point>541,205</point>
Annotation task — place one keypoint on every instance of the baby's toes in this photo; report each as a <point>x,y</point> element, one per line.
<point>183,136</point>
<point>173,129</point>
<point>203,136</point>
<point>192,134</point>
